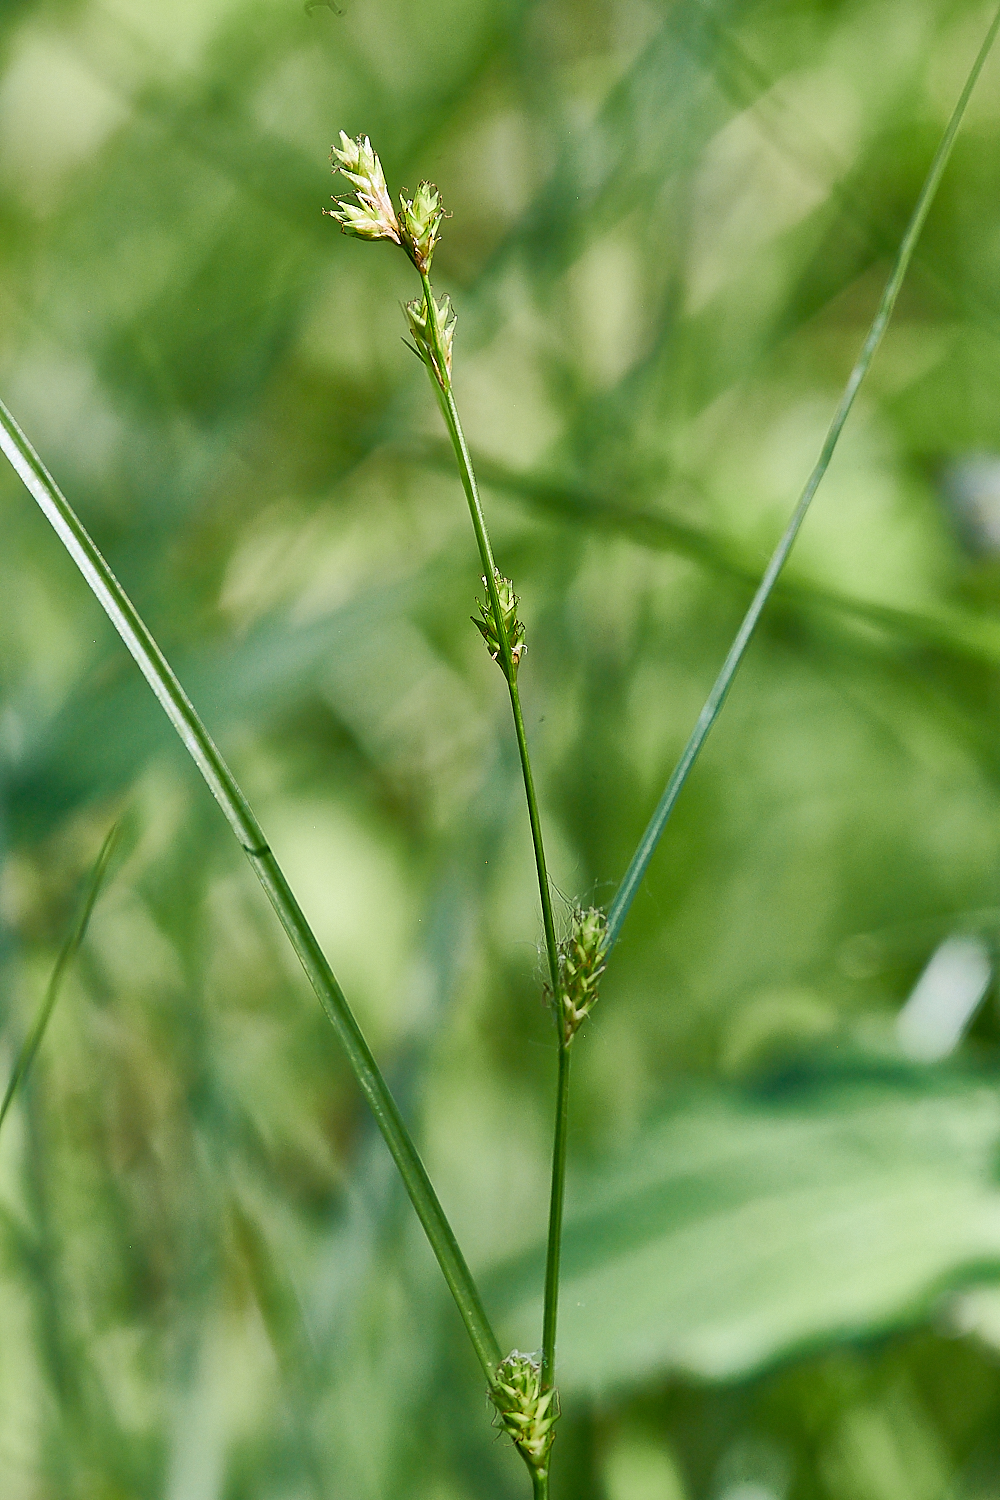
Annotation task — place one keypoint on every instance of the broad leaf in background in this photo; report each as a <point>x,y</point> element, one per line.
<point>746,1226</point>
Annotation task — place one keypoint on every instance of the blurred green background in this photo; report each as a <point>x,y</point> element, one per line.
<point>671,223</point>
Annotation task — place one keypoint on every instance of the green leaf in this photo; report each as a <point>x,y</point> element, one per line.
<point>715,701</point>
<point>67,953</point>
<point>203,751</point>
<point>745,1227</point>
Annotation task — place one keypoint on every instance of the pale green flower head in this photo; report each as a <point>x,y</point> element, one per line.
<point>513,629</point>
<point>373,216</point>
<point>527,1413</point>
<point>422,215</point>
<point>423,341</point>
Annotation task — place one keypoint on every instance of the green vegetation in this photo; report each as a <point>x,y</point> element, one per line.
<point>671,229</point>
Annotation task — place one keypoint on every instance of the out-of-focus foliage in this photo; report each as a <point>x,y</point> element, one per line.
<point>742,1229</point>
<point>671,221</point>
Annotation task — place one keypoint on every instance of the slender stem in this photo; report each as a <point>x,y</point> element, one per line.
<point>441,382</point>
<point>67,953</point>
<point>551,947</point>
<point>554,1246</point>
<point>227,793</point>
<point>540,1484</point>
<point>717,697</point>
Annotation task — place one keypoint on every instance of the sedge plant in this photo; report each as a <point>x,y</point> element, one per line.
<point>522,1385</point>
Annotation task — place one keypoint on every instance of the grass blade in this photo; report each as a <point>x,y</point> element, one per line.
<point>68,952</point>
<point>717,697</point>
<point>207,757</point>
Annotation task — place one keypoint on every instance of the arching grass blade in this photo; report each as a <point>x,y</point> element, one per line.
<point>206,755</point>
<point>717,697</point>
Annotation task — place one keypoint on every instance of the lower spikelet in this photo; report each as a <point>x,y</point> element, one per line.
<point>527,1413</point>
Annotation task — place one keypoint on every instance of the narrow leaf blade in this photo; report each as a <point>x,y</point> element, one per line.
<point>29,1047</point>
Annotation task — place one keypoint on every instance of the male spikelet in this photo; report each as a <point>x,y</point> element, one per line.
<point>373,216</point>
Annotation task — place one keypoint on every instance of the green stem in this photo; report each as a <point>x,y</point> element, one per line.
<point>181,713</point>
<point>551,947</point>
<point>717,697</point>
<point>554,1246</point>
<point>540,1484</point>
<point>441,382</point>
